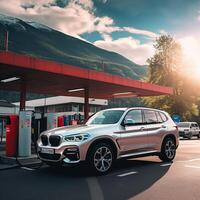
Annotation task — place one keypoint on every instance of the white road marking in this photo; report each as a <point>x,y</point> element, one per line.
<point>193,166</point>
<point>192,160</point>
<point>165,164</point>
<point>196,159</point>
<point>27,168</point>
<point>126,174</point>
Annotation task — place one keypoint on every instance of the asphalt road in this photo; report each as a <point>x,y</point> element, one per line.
<point>139,179</point>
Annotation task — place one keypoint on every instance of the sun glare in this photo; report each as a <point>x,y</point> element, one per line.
<point>191,51</point>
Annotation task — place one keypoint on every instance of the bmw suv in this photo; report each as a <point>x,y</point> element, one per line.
<point>109,135</point>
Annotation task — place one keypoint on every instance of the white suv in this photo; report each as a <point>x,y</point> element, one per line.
<point>109,135</point>
<point>188,129</point>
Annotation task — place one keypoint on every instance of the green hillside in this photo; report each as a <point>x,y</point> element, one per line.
<point>41,41</point>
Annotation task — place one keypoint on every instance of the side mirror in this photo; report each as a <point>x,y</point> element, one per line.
<point>128,122</point>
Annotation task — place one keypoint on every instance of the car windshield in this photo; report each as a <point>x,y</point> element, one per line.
<point>106,117</point>
<point>185,124</point>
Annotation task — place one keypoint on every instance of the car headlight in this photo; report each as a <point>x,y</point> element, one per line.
<point>77,137</point>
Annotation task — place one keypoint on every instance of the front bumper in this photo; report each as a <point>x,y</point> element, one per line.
<point>184,133</point>
<point>67,153</point>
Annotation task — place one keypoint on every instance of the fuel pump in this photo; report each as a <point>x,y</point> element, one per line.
<point>24,142</point>
<point>12,131</point>
<point>18,139</point>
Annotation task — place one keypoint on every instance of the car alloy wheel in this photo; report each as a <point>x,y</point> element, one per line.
<point>170,149</point>
<point>103,159</point>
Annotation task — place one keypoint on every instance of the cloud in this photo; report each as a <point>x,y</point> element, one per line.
<point>128,47</point>
<point>73,17</point>
<point>141,32</point>
<point>163,32</point>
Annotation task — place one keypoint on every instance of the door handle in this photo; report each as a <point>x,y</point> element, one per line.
<point>142,128</point>
<point>163,126</point>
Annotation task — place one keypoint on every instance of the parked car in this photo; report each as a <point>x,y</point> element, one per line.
<point>109,135</point>
<point>188,129</point>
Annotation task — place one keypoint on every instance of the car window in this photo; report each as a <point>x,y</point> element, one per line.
<point>106,117</point>
<point>150,117</point>
<point>184,124</point>
<point>160,120</point>
<point>191,125</point>
<point>194,125</point>
<point>163,116</point>
<point>135,116</point>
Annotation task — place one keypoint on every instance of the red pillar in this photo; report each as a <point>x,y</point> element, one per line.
<point>23,95</point>
<point>6,41</point>
<point>86,103</point>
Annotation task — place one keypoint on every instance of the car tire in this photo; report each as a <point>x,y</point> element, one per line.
<point>101,158</point>
<point>198,136</point>
<point>168,150</point>
<point>190,136</point>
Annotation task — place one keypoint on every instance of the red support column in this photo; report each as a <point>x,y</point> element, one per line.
<point>23,95</point>
<point>6,41</point>
<point>86,103</point>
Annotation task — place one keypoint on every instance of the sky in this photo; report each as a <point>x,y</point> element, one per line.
<point>128,27</point>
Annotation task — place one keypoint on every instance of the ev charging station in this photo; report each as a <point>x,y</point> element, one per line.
<point>24,141</point>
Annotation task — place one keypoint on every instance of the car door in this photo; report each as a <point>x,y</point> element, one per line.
<point>156,127</point>
<point>197,128</point>
<point>194,129</point>
<point>134,136</point>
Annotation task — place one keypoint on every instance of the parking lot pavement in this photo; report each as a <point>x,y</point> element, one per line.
<point>138,179</point>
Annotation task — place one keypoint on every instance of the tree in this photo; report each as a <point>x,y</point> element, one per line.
<point>164,69</point>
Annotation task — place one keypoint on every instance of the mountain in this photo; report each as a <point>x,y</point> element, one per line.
<point>38,40</point>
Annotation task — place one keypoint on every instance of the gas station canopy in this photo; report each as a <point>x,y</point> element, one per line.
<point>29,74</point>
<point>47,77</point>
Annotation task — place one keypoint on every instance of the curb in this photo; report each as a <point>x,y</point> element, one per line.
<point>8,167</point>
<point>17,161</point>
<point>8,160</point>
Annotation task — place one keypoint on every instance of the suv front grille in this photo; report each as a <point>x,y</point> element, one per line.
<point>44,140</point>
<point>54,140</point>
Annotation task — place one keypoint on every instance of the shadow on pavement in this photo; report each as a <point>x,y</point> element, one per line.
<point>148,172</point>
<point>85,186</point>
<point>77,183</point>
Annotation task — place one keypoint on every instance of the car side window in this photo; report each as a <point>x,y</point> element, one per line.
<point>193,125</point>
<point>135,116</point>
<point>150,117</point>
<point>160,120</point>
<point>163,116</point>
